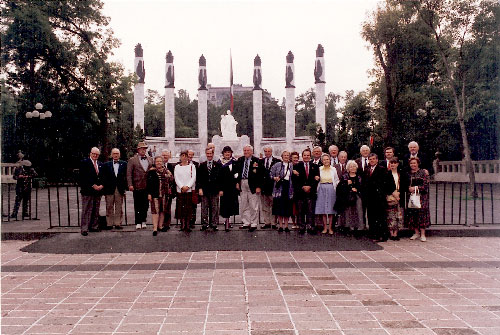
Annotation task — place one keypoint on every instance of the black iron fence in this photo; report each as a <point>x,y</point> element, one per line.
<point>450,204</point>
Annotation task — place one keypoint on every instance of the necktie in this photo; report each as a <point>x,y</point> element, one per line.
<point>95,166</point>
<point>267,163</point>
<point>143,158</point>
<point>366,163</point>
<point>209,167</point>
<point>245,170</point>
<point>307,170</point>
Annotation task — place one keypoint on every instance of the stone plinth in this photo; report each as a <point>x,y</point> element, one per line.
<point>257,120</point>
<point>170,117</point>
<point>320,105</point>
<point>139,105</point>
<point>202,116</point>
<point>236,145</point>
<point>290,114</point>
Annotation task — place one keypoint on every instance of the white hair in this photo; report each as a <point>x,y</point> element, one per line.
<point>95,149</point>
<point>267,147</point>
<point>333,146</point>
<point>166,150</point>
<point>350,163</point>
<point>343,153</point>
<point>115,150</point>
<point>317,147</point>
<point>248,146</point>
<point>364,146</point>
<point>414,143</point>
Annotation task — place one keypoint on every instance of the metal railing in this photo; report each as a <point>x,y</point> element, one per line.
<point>450,204</point>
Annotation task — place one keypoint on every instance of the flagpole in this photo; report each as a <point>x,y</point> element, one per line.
<point>231,80</point>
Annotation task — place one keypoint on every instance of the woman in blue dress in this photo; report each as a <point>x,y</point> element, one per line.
<point>328,181</point>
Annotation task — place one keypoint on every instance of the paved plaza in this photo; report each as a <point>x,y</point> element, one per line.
<point>448,285</point>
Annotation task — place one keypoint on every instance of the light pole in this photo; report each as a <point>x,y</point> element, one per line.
<point>37,114</point>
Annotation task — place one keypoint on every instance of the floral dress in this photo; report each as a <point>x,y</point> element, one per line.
<point>419,218</point>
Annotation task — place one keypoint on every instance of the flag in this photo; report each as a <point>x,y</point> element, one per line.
<point>231,80</point>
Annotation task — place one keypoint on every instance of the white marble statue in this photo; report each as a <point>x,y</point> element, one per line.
<point>228,126</point>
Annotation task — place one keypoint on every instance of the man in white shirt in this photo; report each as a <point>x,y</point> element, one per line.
<point>363,160</point>
<point>316,153</point>
<point>333,150</point>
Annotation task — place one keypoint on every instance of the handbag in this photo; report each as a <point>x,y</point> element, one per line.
<point>414,201</point>
<point>391,200</point>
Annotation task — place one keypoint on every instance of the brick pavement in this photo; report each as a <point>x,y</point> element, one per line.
<point>447,286</point>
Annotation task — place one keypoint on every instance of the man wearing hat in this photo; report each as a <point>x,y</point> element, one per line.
<point>23,174</point>
<point>137,168</point>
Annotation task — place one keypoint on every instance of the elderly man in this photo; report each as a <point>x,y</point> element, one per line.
<point>266,198</point>
<point>307,179</point>
<point>341,166</point>
<point>137,169</point>
<point>363,160</point>
<point>249,182</point>
<point>114,177</point>
<point>316,154</point>
<point>90,188</point>
<point>413,152</point>
<point>210,189</point>
<point>203,157</point>
<point>166,154</point>
<point>333,150</point>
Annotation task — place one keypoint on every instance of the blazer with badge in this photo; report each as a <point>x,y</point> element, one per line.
<point>209,182</point>
<point>255,177</point>
<point>310,180</point>
<point>268,182</point>
<point>136,175</point>
<point>89,177</point>
<point>112,181</point>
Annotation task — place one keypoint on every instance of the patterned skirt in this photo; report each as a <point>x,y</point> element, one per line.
<point>184,206</point>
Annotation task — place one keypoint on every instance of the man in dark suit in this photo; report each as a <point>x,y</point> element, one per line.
<point>209,183</point>
<point>249,182</point>
<point>363,160</point>
<point>166,154</point>
<point>388,153</point>
<point>114,177</point>
<point>90,188</point>
<point>266,198</point>
<point>307,177</point>
<point>137,168</point>
<point>341,166</point>
<point>413,152</point>
<point>316,155</point>
<point>374,195</point>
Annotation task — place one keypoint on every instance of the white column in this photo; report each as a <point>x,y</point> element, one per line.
<point>290,115</point>
<point>139,105</point>
<point>257,120</point>
<point>202,117</point>
<point>320,105</point>
<point>170,117</point>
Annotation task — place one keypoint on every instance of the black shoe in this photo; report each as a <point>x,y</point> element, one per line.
<point>244,227</point>
<point>280,230</point>
<point>118,227</point>
<point>251,229</point>
<point>188,229</point>
<point>164,229</point>
<point>287,230</point>
<point>302,231</point>
<point>396,238</point>
<point>226,229</point>
<point>274,226</point>
<point>203,228</point>
<point>84,233</point>
<point>214,228</point>
<point>155,233</point>
<point>266,226</point>
<point>311,231</point>
<point>13,216</point>
<point>92,230</point>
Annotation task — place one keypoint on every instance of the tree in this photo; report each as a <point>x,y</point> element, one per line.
<point>355,125</point>
<point>461,29</point>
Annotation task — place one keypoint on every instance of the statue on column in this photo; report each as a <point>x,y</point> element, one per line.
<point>228,126</point>
<point>289,70</point>
<point>318,66</point>
<point>257,75</point>
<point>170,75</point>
<point>139,70</point>
<point>202,74</point>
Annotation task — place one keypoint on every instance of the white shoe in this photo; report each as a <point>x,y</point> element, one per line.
<point>415,236</point>
<point>423,239</point>
<point>138,226</point>
<point>144,225</point>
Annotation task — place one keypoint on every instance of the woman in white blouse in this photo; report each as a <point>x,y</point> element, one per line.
<point>328,181</point>
<point>185,180</point>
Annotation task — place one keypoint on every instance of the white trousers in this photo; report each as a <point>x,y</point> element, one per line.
<point>249,206</point>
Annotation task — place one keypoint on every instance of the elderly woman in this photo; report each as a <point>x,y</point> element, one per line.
<point>229,200</point>
<point>282,173</point>
<point>349,199</point>
<point>185,180</point>
<point>159,187</point>
<point>328,181</point>
<point>418,219</point>
<point>395,184</point>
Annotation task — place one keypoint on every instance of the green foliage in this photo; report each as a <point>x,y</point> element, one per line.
<point>354,128</point>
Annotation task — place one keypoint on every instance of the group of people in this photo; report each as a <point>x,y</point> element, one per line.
<point>316,191</point>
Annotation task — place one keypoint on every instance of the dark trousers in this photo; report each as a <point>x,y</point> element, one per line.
<point>141,205</point>
<point>306,215</point>
<point>377,221</point>
<point>210,210</point>
<point>25,197</point>
<point>90,212</point>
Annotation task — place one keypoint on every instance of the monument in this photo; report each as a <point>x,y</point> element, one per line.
<point>140,72</point>
<point>257,104</point>
<point>170,101</point>
<point>319,80</point>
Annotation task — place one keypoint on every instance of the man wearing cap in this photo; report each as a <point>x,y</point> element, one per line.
<point>137,167</point>
<point>90,188</point>
<point>23,174</point>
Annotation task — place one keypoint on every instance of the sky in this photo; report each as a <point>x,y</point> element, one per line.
<point>245,28</point>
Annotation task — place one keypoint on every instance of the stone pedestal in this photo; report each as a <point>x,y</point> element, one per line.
<point>202,117</point>
<point>236,145</point>
<point>290,115</point>
<point>139,105</point>
<point>320,105</point>
<point>257,120</point>
<point>170,117</point>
